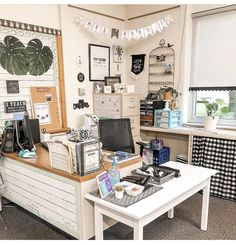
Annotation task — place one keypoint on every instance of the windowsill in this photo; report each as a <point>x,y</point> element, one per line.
<point>194,129</point>
<point>200,125</point>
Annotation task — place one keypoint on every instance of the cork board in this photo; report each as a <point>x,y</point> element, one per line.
<point>45,107</point>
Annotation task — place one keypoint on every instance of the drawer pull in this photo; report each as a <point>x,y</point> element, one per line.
<point>133,106</point>
<point>132,127</point>
<point>131,99</point>
<point>131,120</point>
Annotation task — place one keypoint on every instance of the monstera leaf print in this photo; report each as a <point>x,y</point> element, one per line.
<point>39,57</point>
<point>12,56</point>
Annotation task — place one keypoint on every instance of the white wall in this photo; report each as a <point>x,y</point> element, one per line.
<point>75,43</point>
<point>37,14</point>
<point>172,35</point>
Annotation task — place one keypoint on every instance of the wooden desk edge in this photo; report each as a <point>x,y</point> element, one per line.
<point>42,162</point>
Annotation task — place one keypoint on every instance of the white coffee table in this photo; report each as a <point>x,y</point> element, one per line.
<point>175,191</point>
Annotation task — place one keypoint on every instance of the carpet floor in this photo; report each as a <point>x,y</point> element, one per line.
<point>185,225</point>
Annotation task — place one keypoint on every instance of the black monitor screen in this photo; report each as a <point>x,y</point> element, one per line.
<point>116,135</point>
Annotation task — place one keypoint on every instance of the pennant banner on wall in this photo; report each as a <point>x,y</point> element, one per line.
<point>137,63</point>
<point>136,34</point>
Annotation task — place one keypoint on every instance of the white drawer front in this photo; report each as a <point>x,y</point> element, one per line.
<point>131,105</point>
<point>108,113</point>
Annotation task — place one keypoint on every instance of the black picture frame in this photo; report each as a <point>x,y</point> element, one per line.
<point>12,86</point>
<point>110,81</point>
<point>99,62</point>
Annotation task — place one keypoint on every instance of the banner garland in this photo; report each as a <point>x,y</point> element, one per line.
<point>136,34</point>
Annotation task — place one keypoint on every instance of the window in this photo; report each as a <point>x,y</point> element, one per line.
<point>213,64</point>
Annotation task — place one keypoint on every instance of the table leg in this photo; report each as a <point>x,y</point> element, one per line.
<point>205,205</point>
<point>138,231</point>
<point>171,213</point>
<point>98,223</point>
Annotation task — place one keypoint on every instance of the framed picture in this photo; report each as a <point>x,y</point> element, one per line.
<point>110,81</point>
<point>99,62</point>
<point>89,156</point>
<point>117,53</point>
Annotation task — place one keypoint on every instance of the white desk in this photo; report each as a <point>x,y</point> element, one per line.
<point>175,191</point>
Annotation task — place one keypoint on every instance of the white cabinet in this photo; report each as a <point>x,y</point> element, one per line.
<point>120,105</point>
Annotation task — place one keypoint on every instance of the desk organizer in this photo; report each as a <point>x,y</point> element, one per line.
<point>161,156</point>
<point>167,119</point>
<point>129,200</point>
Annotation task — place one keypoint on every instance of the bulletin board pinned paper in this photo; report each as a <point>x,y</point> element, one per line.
<point>45,107</point>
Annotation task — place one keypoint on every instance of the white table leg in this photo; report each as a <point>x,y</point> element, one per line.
<point>98,223</point>
<point>138,231</point>
<point>171,213</point>
<point>205,205</point>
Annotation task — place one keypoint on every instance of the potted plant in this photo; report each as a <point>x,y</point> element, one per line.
<point>211,119</point>
<point>167,93</point>
<point>119,191</point>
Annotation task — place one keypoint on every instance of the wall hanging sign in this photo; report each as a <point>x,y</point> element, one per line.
<point>99,62</point>
<point>80,77</point>
<point>14,106</point>
<point>142,32</point>
<point>137,63</point>
<point>12,86</point>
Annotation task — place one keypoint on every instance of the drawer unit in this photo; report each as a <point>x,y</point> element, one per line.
<point>167,119</point>
<point>130,105</point>
<point>135,125</point>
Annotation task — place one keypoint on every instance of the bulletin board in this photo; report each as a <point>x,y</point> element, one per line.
<point>45,107</point>
<point>16,84</point>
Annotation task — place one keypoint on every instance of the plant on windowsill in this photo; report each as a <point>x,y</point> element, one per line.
<point>210,121</point>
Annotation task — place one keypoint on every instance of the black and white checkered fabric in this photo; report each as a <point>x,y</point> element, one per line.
<point>219,154</point>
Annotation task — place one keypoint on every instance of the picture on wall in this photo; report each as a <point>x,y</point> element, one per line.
<point>99,62</point>
<point>111,81</point>
<point>118,54</point>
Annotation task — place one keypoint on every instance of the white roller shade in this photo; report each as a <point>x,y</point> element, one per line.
<point>214,50</point>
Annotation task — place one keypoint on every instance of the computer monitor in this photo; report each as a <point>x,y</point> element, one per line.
<point>24,136</point>
<point>116,135</point>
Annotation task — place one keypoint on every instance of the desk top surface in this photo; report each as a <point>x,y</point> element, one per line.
<point>43,162</point>
<point>191,176</point>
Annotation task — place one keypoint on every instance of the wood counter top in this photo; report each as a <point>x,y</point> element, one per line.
<point>43,162</point>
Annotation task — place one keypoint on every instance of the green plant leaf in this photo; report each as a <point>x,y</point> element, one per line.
<point>12,56</point>
<point>39,57</point>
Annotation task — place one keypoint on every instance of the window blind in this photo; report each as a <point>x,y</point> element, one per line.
<point>213,65</point>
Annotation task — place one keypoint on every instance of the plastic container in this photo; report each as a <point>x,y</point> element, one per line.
<point>114,173</point>
<point>161,156</point>
<point>167,119</point>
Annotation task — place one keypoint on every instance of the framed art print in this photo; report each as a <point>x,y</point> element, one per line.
<point>99,62</point>
<point>111,81</point>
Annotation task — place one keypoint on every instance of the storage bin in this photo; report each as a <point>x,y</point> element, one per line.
<point>161,156</point>
<point>167,119</point>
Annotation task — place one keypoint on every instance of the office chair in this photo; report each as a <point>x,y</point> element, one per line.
<point>1,187</point>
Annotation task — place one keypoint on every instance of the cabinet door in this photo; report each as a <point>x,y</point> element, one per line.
<point>131,105</point>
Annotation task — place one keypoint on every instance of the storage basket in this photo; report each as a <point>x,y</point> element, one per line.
<point>161,156</point>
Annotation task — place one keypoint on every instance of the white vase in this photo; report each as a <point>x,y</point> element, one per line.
<point>210,122</point>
